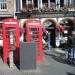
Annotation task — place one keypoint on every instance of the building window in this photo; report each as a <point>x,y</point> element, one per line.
<point>3,4</point>
<point>35,3</point>
<point>29,1</point>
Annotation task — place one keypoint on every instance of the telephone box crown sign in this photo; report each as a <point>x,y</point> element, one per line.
<point>11,21</point>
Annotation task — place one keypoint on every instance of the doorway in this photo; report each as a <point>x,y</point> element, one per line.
<point>49,26</point>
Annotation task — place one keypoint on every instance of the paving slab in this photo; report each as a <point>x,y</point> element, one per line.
<point>52,64</point>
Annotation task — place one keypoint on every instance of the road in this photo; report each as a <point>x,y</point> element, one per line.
<point>54,63</point>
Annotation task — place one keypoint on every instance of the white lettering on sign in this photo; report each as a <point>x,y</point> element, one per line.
<point>10,22</point>
<point>33,23</point>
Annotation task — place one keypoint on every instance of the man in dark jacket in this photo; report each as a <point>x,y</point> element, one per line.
<point>71,45</point>
<point>73,39</point>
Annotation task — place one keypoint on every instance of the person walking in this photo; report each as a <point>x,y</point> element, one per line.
<point>71,47</point>
<point>49,40</point>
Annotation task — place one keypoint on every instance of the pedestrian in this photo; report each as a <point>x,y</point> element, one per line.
<point>44,40</point>
<point>49,40</point>
<point>71,47</point>
<point>62,41</point>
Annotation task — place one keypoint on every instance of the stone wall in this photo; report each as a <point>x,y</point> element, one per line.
<point>10,9</point>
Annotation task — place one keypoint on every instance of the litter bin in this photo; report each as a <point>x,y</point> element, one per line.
<point>27,55</point>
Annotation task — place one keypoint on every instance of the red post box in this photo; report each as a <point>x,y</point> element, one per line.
<point>34,33</point>
<point>11,38</point>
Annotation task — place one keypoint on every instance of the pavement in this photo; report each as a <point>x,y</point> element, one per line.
<point>54,63</point>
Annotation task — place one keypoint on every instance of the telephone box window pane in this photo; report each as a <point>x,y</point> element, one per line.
<point>33,29</point>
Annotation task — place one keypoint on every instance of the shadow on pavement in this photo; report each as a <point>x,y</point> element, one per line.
<point>17,65</point>
<point>1,51</point>
<point>60,58</point>
<point>70,73</point>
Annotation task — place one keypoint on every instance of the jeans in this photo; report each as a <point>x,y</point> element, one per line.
<point>49,46</point>
<point>71,53</point>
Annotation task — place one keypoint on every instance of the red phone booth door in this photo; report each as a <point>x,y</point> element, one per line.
<point>11,37</point>
<point>34,33</point>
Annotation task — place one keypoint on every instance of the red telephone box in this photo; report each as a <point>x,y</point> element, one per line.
<point>34,33</point>
<point>11,38</point>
